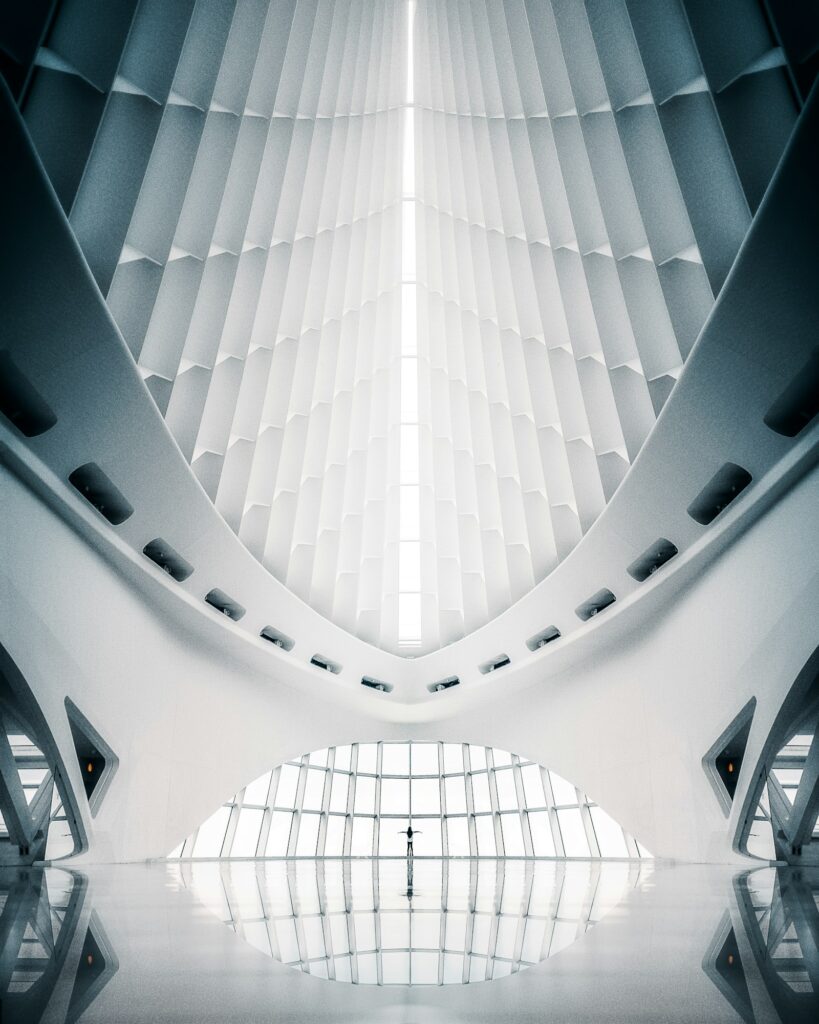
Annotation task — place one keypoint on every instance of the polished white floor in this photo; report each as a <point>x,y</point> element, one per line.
<point>135,943</point>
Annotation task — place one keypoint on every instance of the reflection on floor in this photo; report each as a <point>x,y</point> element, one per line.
<point>381,922</point>
<point>686,943</point>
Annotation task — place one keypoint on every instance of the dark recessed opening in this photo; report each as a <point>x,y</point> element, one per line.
<point>660,552</point>
<point>99,491</point>
<point>545,636</point>
<point>90,968</point>
<point>273,636</point>
<point>160,552</point>
<point>21,403</point>
<point>321,662</point>
<point>443,684</point>
<point>729,760</point>
<point>799,402</point>
<point>725,485</point>
<point>226,605</point>
<point>376,684</point>
<point>595,604</point>
<point>729,964</point>
<point>499,661</point>
<point>91,759</point>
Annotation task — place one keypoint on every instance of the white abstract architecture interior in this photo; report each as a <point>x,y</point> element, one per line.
<point>409,419</point>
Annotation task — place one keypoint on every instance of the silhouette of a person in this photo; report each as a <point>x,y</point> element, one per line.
<point>410,834</point>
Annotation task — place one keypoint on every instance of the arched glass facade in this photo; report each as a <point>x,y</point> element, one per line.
<point>464,800</point>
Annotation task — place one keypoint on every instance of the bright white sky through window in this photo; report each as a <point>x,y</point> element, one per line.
<point>409,556</point>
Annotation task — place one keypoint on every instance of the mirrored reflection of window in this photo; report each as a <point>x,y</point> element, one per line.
<point>463,922</point>
<point>462,800</point>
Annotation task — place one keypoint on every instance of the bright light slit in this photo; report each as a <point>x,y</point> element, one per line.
<point>409,554</point>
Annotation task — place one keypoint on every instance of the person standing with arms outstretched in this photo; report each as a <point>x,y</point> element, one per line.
<point>410,834</point>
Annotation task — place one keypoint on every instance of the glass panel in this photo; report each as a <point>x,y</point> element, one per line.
<point>364,795</point>
<point>395,759</point>
<point>211,834</point>
<point>564,792</point>
<point>426,931</point>
<point>343,969</point>
<point>542,840</point>
<point>362,845</point>
<point>288,782</point>
<point>485,833</point>
<point>481,927</point>
<point>364,932</point>
<point>512,835</point>
<point>308,835</point>
<point>279,835</point>
<point>426,796</point>
<point>533,785</point>
<point>477,757</point>
<point>286,937</point>
<point>453,757</point>
<point>395,929</point>
<point>367,758</point>
<point>394,796</point>
<point>425,759</point>
<point>319,758</point>
<point>256,792</point>
<point>338,793</point>
<point>480,792</point>
<point>533,940</point>
<point>457,837</point>
<point>313,937</point>
<point>246,837</point>
<point>342,761</point>
<point>507,933</point>
<point>455,792</point>
<point>429,842</point>
<point>507,794</point>
<point>367,969</point>
<point>334,844</point>
<point>314,789</point>
<point>501,757</point>
<point>424,968</point>
<point>339,935</point>
<point>609,834</point>
<point>395,968</point>
<point>575,843</point>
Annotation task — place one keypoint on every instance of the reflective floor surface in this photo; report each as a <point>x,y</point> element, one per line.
<point>617,943</point>
<point>438,922</point>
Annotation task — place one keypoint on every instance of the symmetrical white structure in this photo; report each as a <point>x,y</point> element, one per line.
<point>212,369</point>
<point>302,165</point>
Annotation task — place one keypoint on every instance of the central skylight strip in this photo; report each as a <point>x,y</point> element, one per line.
<point>409,545</point>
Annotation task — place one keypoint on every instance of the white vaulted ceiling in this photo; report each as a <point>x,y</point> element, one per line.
<point>410,284</point>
